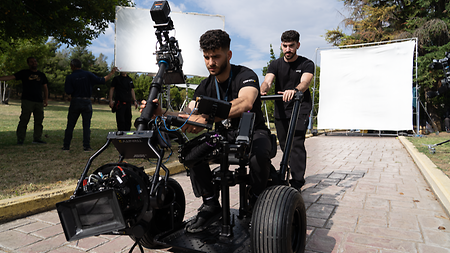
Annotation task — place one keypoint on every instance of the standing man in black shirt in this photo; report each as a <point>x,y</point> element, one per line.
<point>292,73</point>
<point>33,82</point>
<point>122,86</point>
<point>79,86</point>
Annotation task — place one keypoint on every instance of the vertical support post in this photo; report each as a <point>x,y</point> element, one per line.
<point>224,169</point>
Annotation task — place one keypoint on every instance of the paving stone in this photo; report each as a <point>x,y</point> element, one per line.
<point>49,217</point>
<point>365,188</point>
<point>32,227</point>
<point>44,245</point>
<point>404,221</point>
<point>88,243</point>
<point>402,204</point>
<point>424,248</point>
<point>64,249</point>
<point>434,223</point>
<point>355,248</point>
<point>316,222</point>
<point>390,233</point>
<point>383,243</point>
<point>324,240</point>
<point>15,224</point>
<point>437,238</point>
<point>49,231</point>
<point>13,240</point>
<point>320,211</point>
<point>116,245</point>
<point>376,203</point>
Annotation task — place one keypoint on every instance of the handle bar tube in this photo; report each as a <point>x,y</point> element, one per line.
<point>141,123</point>
<point>291,131</point>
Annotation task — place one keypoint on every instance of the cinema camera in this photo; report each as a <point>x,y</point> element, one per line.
<point>120,198</point>
<point>445,83</point>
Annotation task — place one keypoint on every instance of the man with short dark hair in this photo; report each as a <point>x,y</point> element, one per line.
<point>33,82</point>
<point>123,88</point>
<point>292,73</point>
<point>240,86</point>
<point>79,86</point>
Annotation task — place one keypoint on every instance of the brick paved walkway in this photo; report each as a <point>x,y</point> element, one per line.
<point>363,194</point>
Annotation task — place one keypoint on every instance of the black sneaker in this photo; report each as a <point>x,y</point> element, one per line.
<point>65,148</point>
<point>87,149</point>
<point>39,142</point>
<point>207,215</point>
<point>296,184</point>
<point>20,142</point>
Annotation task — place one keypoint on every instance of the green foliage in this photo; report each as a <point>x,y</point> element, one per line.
<point>384,20</point>
<point>55,64</point>
<point>269,105</point>
<point>15,54</point>
<point>176,99</point>
<point>194,79</point>
<point>69,21</point>
<point>142,83</point>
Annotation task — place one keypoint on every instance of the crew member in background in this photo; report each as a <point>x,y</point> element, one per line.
<point>33,83</point>
<point>79,86</point>
<point>123,89</point>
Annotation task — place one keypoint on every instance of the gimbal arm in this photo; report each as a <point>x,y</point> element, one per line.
<point>141,123</point>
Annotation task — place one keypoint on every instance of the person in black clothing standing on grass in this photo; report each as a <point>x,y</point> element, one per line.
<point>123,88</point>
<point>33,82</point>
<point>79,86</point>
<point>292,73</point>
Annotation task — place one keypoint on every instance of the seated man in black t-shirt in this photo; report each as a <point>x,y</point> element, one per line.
<point>239,85</point>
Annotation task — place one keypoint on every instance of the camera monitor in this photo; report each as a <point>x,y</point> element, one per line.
<point>207,105</point>
<point>90,215</point>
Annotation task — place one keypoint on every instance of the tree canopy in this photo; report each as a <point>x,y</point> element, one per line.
<point>72,22</point>
<point>384,20</point>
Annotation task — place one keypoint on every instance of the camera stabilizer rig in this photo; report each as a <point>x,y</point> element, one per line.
<point>445,82</point>
<point>445,85</point>
<point>121,199</point>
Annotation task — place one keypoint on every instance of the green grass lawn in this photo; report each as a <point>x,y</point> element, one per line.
<point>36,167</point>
<point>442,156</point>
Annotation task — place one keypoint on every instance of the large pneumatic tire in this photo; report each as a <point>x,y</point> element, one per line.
<point>279,221</point>
<point>162,218</point>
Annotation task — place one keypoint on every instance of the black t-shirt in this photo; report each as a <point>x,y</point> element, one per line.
<point>240,77</point>
<point>287,77</point>
<point>122,88</point>
<point>32,83</point>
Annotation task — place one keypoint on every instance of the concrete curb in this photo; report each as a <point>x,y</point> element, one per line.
<point>436,179</point>
<point>29,204</point>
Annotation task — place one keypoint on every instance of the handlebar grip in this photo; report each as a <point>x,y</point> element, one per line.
<point>298,94</point>
<point>272,97</point>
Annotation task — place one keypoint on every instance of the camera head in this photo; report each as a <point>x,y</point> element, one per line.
<point>440,63</point>
<point>445,82</point>
<point>169,52</point>
<point>160,12</point>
